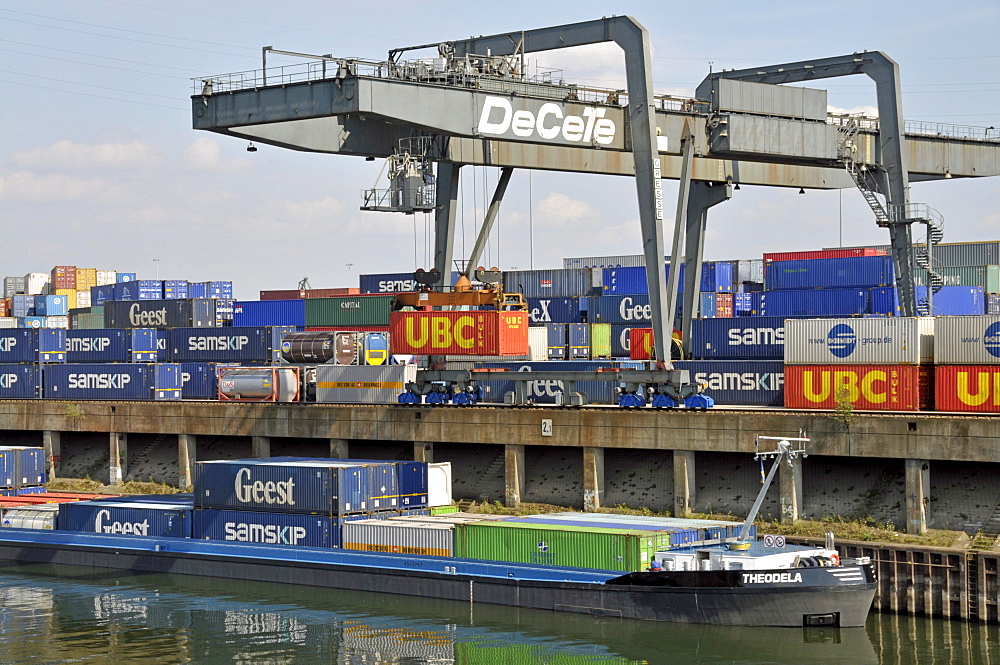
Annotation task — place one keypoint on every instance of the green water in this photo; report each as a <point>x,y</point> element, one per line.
<point>91,616</point>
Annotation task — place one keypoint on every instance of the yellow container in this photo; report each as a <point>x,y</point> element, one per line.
<point>70,295</point>
<point>86,278</point>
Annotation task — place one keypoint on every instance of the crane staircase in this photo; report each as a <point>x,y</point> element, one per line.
<point>868,178</point>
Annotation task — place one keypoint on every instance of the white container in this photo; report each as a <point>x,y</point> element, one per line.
<point>8,321</point>
<point>36,283</point>
<point>439,484</point>
<point>83,299</point>
<point>31,517</point>
<point>57,322</point>
<point>881,340</point>
<point>967,340</point>
<point>362,384</point>
<point>398,537</point>
<point>106,277</point>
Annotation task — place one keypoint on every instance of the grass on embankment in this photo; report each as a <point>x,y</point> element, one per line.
<point>88,485</point>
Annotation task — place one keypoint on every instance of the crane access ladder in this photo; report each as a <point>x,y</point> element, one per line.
<point>867,177</point>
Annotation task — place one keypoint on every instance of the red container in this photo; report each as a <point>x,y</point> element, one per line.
<point>869,387</point>
<point>724,305</point>
<point>378,329</point>
<point>292,294</point>
<point>640,344</point>
<point>967,388</point>
<point>823,254</point>
<point>482,333</point>
<point>63,277</point>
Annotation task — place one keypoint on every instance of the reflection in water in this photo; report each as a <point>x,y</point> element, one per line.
<point>53,614</point>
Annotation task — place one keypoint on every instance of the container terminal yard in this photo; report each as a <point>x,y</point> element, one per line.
<point>610,380</point>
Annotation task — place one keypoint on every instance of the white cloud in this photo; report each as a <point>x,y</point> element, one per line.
<point>203,154</point>
<point>67,155</point>
<point>52,188</point>
<point>867,111</point>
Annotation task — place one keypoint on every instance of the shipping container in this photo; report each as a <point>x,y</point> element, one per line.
<point>439,484</point>
<point>142,289</point>
<point>8,322</point>
<point>955,300</point>
<point>500,333</point>
<point>388,283</point>
<point>813,302</point>
<point>362,384</point>
<point>266,528</point>
<point>399,537</point>
<point>82,300</point>
<point>967,340</point>
<point>632,310</point>
<point>269,313</point>
<point>57,322</point>
<point>740,338</point>
<point>22,305</point>
<point>558,545</point>
<point>348,311</point>
<point>200,380</point>
<point>156,520</point>
<point>113,381</point>
<point>845,273</point>
<point>987,277</point>
<point>538,349</point>
<point>175,289</point>
<point>375,348</point>
<point>106,277</point>
<point>188,313</point>
<point>22,466</point>
<point>556,310</point>
<point>600,340</point>
<point>550,283</point>
<point>619,261</point>
<point>992,304</point>
<point>32,322</point>
<point>86,278</point>
<point>114,345</point>
<point>43,516</point>
<point>13,286</point>
<point>101,293</point>
<point>30,345</point>
<point>35,283</point>
<point>316,486</point>
<point>866,387</point>
<point>550,392</point>
<point>56,305</point>
<point>578,341</point>
<point>739,382</point>
<point>641,344</point>
<point>290,294</point>
<point>709,529</point>
<point>842,253</point>
<point>708,305</point>
<point>87,320</point>
<point>241,345</point>
<point>724,305</point>
<point>716,276</point>
<point>123,277</point>
<point>63,277</point>
<point>556,341</point>
<point>870,341</point>
<point>973,388</point>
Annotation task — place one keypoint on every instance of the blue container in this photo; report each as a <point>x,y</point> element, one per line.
<point>709,305</point>
<point>557,341</point>
<point>113,381</point>
<point>633,310</point>
<point>21,381</point>
<point>578,341</point>
<point>266,528</point>
<point>21,491</point>
<point>743,304</point>
<point>409,480</point>
<point>21,466</point>
<point>30,345</point>
<point>621,339</point>
<point>99,294</point>
<point>716,277</point>
<point>200,380</point>
<point>412,487</point>
<point>182,499</point>
<point>248,313</point>
<point>545,392</point>
<point>22,306</point>
<point>220,290</point>
<point>388,283</point>
<point>549,283</point>
<point>738,338</point>
<point>235,344</point>
<point>741,382</point>
<point>51,306</point>
<point>154,520</point>
<point>32,322</point>
<point>175,289</point>
<point>815,302</point>
<point>143,289</point>
<point>839,273</point>
<point>555,310</point>
<point>111,345</point>
<point>125,277</point>
<point>884,301</point>
<point>955,300</point>
<point>185,313</point>
<point>310,486</point>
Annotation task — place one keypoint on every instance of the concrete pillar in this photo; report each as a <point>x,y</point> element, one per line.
<point>423,451</point>
<point>187,446</point>
<point>790,487</point>
<point>119,456</point>
<point>338,449</point>
<point>918,488</point>
<point>684,482</point>
<point>52,449</point>
<point>593,478</point>
<point>513,474</point>
<point>260,446</point>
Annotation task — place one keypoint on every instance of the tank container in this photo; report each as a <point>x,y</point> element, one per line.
<point>113,381</point>
<point>362,384</point>
<point>112,345</point>
<point>259,384</point>
<point>869,341</point>
<point>31,517</point>
<point>155,520</point>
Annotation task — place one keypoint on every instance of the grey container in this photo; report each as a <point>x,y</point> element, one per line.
<point>765,99</point>
<point>399,537</point>
<point>362,384</point>
<point>967,340</point>
<point>869,341</point>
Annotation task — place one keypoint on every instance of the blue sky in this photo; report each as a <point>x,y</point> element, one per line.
<point>99,165</point>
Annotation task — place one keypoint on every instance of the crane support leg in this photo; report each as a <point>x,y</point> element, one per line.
<point>703,196</point>
<point>680,224</point>
<point>444,221</point>
<point>491,215</point>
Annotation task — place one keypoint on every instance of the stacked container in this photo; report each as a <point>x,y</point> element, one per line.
<point>967,358</point>
<point>873,364</point>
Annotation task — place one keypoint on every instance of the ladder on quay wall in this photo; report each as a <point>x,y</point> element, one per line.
<point>867,178</point>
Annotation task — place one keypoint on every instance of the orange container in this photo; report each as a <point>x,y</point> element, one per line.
<point>480,333</point>
<point>967,388</point>
<point>64,277</point>
<point>869,387</point>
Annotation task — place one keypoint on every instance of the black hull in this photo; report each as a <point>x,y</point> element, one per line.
<point>820,594</point>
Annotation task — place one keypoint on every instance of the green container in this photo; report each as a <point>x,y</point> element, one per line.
<point>84,320</point>
<point>987,277</point>
<point>600,340</point>
<point>443,510</point>
<point>559,545</point>
<point>348,311</point>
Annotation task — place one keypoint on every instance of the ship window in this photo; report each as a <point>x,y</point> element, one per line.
<point>736,565</point>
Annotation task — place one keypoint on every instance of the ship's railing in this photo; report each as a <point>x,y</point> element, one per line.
<point>920,128</point>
